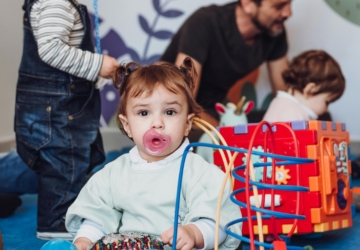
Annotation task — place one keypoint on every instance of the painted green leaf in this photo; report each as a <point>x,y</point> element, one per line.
<point>248,90</point>
<point>267,101</point>
<point>348,9</point>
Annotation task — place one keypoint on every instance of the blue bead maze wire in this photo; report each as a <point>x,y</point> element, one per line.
<point>289,160</point>
<point>258,243</point>
<point>97,35</point>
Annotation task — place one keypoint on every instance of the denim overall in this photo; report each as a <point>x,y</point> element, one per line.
<point>57,125</point>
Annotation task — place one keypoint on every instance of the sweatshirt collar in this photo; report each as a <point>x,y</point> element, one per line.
<point>284,94</point>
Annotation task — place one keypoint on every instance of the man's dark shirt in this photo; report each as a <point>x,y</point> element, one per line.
<point>211,36</point>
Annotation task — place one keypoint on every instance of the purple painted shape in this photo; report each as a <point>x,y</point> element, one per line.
<point>264,128</point>
<point>241,129</point>
<point>116,47</point>
<point>323,125</point>
<point>108,107</point>
<point>300,125</point>
<point>168,13</point>
<point>145,25</point>
<point>114,44</point>
<point>172,13</point>
<point>163,34</point>
<point>333,126</point>
<point>343,126</point>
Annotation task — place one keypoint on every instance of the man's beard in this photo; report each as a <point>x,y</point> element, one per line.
<point>266,29</point>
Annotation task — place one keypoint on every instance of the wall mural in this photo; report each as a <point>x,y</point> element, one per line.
<point>350,10</point>
<point>141,30</point>
<point>116,47</point>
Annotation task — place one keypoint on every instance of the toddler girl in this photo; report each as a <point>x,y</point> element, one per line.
<point>137,191</point>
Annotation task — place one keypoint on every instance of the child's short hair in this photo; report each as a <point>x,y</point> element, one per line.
<point>132,80</point>
<point>318,67</point>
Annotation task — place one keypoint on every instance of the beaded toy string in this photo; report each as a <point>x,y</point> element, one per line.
<point>97,36</point>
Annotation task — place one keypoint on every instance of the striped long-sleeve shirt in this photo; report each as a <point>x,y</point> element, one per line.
<point>58,30</point>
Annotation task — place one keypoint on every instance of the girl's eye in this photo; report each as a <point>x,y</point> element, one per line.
<point>327,103</point>
<point>170,112</point>
<point>143,113</point>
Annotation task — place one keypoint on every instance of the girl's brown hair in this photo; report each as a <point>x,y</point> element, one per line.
<point>315,66</point>
<point>132,80</point>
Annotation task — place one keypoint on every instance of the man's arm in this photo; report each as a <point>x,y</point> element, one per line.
<point>275,69</point>
<point>198,67</point>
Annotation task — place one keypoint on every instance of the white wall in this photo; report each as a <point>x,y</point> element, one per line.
<point>10,53</point>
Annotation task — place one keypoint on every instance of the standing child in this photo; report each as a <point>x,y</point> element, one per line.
<point>314,80</point>
<point>137,191</point>
<point>57,106</point>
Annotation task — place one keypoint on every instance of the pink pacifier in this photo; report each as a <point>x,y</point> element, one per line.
<point>156,143</point>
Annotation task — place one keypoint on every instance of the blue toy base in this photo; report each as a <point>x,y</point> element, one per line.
<point>58,244</point>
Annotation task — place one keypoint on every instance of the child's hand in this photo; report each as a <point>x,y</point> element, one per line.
<point>82,243</point>
<point>108,67</point>
<point>188,237</point>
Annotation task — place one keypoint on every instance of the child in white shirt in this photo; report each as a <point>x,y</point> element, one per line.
<point>314,80</point>
<point>137,191</point>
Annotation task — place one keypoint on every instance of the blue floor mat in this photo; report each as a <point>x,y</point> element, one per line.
<point>19,230</point>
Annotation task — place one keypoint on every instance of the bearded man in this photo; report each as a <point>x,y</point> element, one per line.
<point>228,42</point>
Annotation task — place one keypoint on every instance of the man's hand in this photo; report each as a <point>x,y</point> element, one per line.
<point>108,67</point>
<point>188,237</point>
<point>82,243</point>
